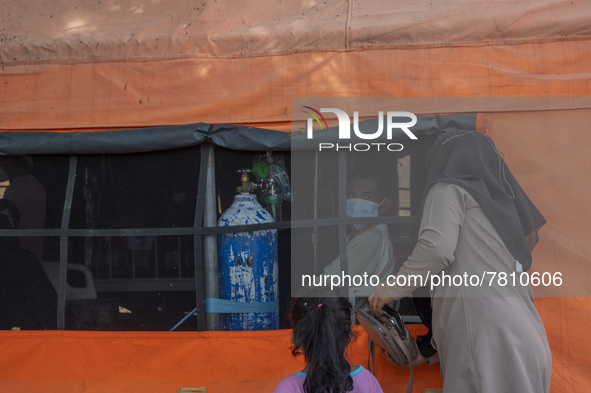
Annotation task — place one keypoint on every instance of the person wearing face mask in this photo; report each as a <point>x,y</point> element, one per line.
<point>369,249</point>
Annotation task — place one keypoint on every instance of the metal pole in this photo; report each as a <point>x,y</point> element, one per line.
<point>210,241</point>
<point>61,293</point>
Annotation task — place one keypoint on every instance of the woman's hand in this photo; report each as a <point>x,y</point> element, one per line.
<point>379,298</point>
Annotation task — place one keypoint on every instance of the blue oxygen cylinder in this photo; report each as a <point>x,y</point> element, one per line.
<point>248,268</point>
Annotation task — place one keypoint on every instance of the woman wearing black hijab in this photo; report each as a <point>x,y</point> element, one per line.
<point>476,221</point>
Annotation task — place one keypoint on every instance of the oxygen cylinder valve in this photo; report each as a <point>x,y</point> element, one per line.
<point>246,186</point>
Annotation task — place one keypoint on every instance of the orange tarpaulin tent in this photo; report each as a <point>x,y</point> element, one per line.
<point>92,362</point>
<point>228,362</point>
<point>108,64</point>
<point>92,65</point>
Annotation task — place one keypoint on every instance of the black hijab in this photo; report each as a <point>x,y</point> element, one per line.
<point>470,160</point>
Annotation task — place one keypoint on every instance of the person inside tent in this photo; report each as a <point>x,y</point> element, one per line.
<point>29,196</point>
<point>369,248</point>
<point>27,298</point>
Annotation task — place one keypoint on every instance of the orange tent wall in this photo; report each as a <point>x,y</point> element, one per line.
<point>214,90</point>
<point>548,153</point>
<point>161,362</point>
<point>109,64</point>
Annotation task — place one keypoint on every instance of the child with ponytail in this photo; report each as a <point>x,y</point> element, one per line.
<point>322,332</point>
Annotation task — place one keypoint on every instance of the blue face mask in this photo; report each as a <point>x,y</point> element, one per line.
<point>361,208</point>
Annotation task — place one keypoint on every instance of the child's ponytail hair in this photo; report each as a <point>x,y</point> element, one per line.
<point>322,332</point>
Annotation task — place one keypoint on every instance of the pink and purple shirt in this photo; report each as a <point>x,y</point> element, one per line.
<point>363,382</point>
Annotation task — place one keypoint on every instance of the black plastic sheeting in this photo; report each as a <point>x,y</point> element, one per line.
<point>228,136</point>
